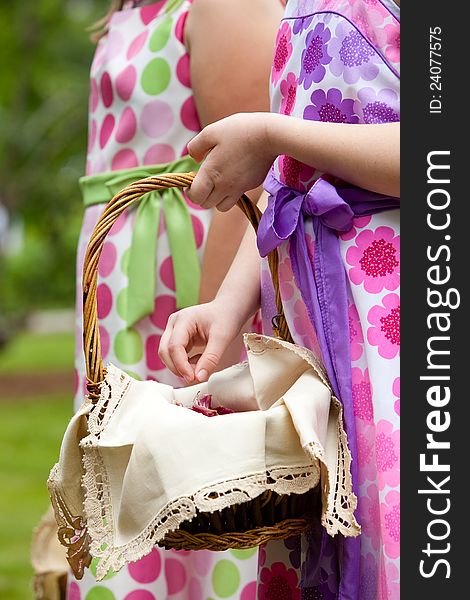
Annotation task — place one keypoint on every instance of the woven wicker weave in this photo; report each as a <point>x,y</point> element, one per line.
<point>267,517</point>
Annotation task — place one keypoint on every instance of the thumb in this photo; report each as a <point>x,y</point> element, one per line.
<point>199,146</point>
<point>210,358</point>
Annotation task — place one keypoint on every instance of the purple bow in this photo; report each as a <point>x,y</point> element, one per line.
<point>323,286</point>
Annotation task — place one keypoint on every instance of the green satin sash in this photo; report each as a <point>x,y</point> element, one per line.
<point>99,189</point>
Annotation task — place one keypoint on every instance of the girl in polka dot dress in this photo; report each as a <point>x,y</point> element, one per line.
<point>161,70</point>
<point>329,159</point>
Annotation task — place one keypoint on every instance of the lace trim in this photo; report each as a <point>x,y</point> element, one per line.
<point>98,507</point>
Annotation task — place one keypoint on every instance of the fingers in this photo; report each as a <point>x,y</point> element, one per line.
<point>211,356</point>
<point>175,343</point>
<point>200,145</point>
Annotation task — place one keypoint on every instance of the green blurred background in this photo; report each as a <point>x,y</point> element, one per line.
<point>45,55</point>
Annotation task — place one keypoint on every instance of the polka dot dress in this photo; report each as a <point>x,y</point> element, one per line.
<point>142,112</point>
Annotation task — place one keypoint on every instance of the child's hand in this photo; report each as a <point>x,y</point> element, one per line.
<point>238,158</point>
<point>211,326</point>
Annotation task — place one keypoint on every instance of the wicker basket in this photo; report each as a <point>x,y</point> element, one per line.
<point>267,517</point>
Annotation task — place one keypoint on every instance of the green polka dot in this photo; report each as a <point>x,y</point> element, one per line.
<point>128,346</point>
<point>172,5</point>
<point>94,565</point>
<point>161,35</point>
<point>100,593</point>
<point>244,554</point>
<point>133,375</point>
<point>156,76</point>
<point>125,261</point>
<point>225,578</point>
<point>121,304</point>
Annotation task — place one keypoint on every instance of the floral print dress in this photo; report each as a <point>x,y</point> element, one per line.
<point>142,112</point>
<point>338,61</point>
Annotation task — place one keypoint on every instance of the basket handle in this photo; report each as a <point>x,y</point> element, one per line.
<point>117,205</point>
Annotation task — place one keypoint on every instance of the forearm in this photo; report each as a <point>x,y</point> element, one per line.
<point>225,236</point>
<point>365,155</point>
<point>242,285</point>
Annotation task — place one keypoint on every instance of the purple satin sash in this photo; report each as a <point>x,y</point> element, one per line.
<point>323,287</point>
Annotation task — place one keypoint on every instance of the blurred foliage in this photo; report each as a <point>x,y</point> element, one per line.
<point>45,55</point>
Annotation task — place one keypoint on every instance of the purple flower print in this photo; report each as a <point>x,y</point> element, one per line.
<point>369,579</point>
<point>301,23</point>
<point>353,57</point>
<point>377,107</point>
<point>330,107</point>
<point>315,56</point>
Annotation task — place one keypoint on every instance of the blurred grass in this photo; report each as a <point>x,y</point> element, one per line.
<point>32,353</point>
<point>30,434</point>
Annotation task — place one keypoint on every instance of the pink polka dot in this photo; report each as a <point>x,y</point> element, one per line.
<point>140,595</point>
<point>159,153</point>
<point>114,44</point>
<point>194,590</point>
<point>106,130</point>
<point>73,592</point>
<point>104,298</point>
<point>164,306</point>
<point>189,115</point>
<point>182,70</point>
<point>119,224</point>
<point>175,575</point>
<point>105,341</point>
<point>127,126</point>
<point>89,221</point>
<point>98,59</point>
<point>147,569</point>
<point>88,168</point>
<point>107,259</point>
<point>167,274</point>
<point>92,135</point>
<point>137,44</point>
<point>249,591</point>
<point>151,353</point>
<point>125,82</point>
<point>202,562</point>
<point>106,89</point>
<point>148,13</point>
<point>179,29</point>
<point>156,118</point>
<point>94,97</point>
<point>198,229</point>
<point>124,159</point>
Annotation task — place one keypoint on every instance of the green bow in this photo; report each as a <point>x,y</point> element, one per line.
<point>98,189</point>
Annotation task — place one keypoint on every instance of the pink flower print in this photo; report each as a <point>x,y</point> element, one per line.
<point>262,555</point>
<point>304,330</point>
<point>315,56</point>
<point>389,581</point>
<point>367,18</point>
<point>396,393</point>
<point>358,223</point>
<point>282,53</point>
<point>378,107</point>
<point>369,577</point>
<point>353,57</point>
<point>288,89</point>
<point>370,515</point>
<point>387,450</point>
<point>286,279</point>
<point>330,107</point>
<point>278,582</point>
<point>362,395</point>
<point>365,433</point>
<point>390,511</point>
<point>385,332</point>
<point>294,173</point>
<point>392,50</point>
<point>375,260</point>
<point>356,339</point>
